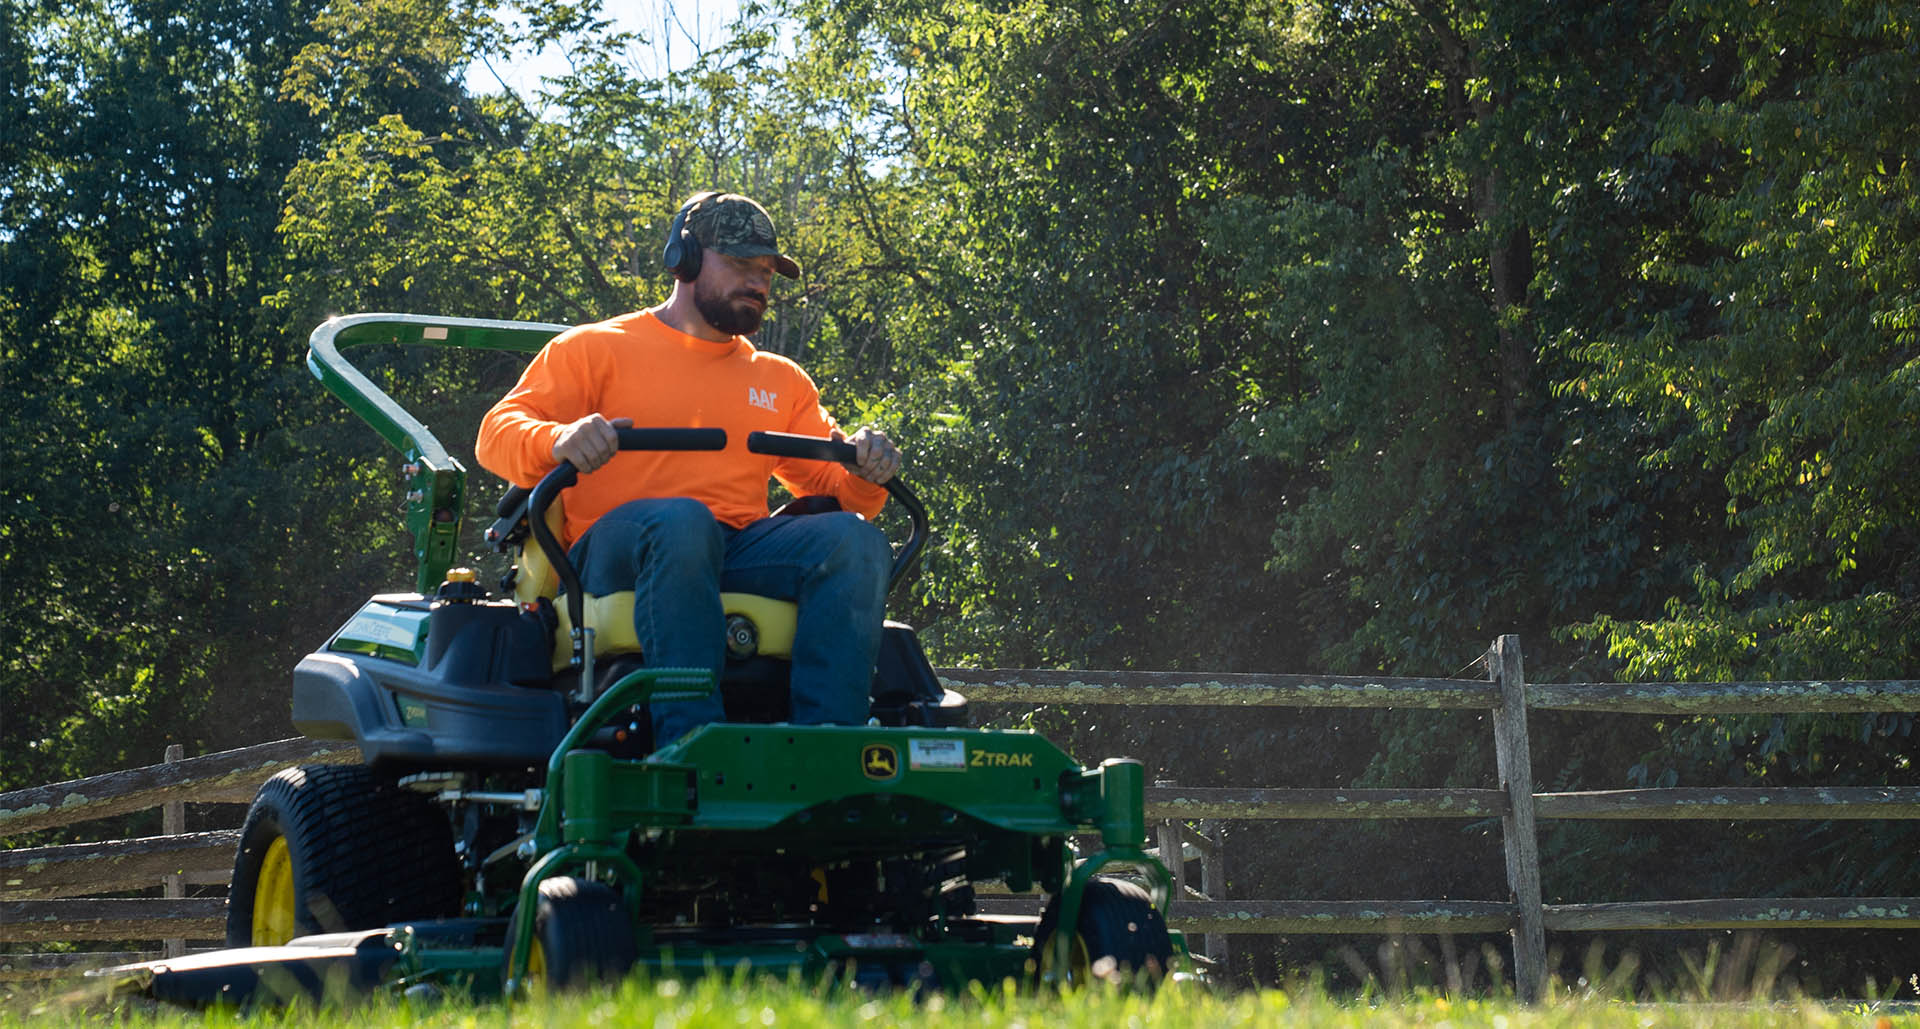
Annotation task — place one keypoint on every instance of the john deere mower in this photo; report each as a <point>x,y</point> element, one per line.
<point>509,824</point>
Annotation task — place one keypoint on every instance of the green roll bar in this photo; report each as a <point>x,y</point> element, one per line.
<point>436,482</point>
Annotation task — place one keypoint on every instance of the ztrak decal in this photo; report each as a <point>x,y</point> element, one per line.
<point>1000,759</point>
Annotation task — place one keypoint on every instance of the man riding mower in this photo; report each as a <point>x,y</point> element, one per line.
<point>510,822</point>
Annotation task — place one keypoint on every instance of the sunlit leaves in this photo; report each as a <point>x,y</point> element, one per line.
<point>1797,385</point>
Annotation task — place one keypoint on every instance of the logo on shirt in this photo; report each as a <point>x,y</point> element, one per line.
<point>762,398</point>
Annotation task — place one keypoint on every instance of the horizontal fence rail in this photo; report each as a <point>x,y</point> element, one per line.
<point>1031,686</point>
<point>1474,916</point>
<point>1728,698</point>
<point>1275,804</point>
<point>79,869</point>
<point>1813,802</point>
<point>1222,689</point>
<point>49,894</point>
<point>114,918</point>
<point>1785,802</point>
<point>230,776</point>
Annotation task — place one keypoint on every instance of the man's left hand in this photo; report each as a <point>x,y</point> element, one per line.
<point>876,459</point>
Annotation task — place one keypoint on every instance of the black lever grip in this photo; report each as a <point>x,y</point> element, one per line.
<point>672,439</point>
<point>812,448</point>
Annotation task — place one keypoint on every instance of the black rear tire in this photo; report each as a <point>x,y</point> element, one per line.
<point>582,936</point>
<point>355,851</point>
<point>1121,937</point>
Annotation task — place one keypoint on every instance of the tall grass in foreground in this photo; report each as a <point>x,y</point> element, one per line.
<point>718,1002</point>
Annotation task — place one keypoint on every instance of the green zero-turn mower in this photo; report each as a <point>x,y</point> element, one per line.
<point>511,825</point>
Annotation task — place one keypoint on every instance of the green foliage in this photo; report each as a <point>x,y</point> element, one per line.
<point>1798,384</point>
<point>135,242</point>
<point>1105,516</point>
<point>1777,373</point>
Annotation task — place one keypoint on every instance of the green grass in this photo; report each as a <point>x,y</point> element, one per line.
<point>739,1003</point>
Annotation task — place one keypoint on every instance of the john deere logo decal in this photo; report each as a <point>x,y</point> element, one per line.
<point>879,761</point>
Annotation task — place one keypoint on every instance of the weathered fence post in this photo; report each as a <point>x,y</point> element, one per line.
<point>173,822</point>
<point>1521,843</point>
<point>1171,836</point>
<point>1168,838</point>
<point>1213,883</point>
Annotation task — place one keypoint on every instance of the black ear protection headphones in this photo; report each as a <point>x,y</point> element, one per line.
<point>682,256</point>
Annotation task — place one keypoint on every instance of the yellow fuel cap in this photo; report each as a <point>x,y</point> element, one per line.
<point>462,575</point>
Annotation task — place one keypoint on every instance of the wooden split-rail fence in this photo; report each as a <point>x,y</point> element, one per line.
<point>56,893</point>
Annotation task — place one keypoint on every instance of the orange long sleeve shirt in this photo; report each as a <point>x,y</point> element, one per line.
<point>637,366</point>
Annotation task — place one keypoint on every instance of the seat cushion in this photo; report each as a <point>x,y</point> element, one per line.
<point>611,618</point>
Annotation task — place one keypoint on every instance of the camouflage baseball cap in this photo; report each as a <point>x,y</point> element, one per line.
<point>734,225</point>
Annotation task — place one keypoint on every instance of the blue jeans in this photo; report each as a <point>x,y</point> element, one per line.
<point>676,559</point>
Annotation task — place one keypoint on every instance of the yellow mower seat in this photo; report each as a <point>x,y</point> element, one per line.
<point>611,617</point>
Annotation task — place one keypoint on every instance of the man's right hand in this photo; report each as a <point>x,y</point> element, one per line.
<point>589,442</point>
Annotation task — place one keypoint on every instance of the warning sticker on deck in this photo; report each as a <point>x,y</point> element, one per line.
<point>937,755</point>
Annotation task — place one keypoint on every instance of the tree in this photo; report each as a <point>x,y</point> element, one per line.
<point>138,235</point>
<point>1796,385</point>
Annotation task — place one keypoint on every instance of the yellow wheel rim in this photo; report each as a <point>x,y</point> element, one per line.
<point>1077,962</point>
<point>273,896</point>
<point>536,969</point>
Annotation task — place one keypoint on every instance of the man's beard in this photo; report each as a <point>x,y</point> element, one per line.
<point>721,313</point>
